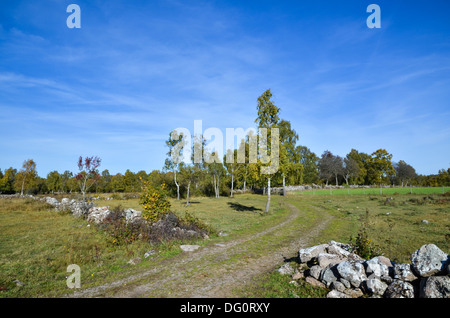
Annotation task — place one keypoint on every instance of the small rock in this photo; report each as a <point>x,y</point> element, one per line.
<point>149,253</point>
<point>315,271</point>
<point>286,269</point>
<point>354,292</point>
<point>134,261</point>
<point>189,248</point>
<point>337,285</point>
<point>337,294</point>
<point>298,275</point>
<point>314,282</point>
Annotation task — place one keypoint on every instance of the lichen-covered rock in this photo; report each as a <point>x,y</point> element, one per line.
<point>404,272</point>
<point>337,294</point>
<point>379,266</point>
<point>98,214</point>
<point>307,254</point>
<point>315,271</point>
<point>429,260</point>
<point>329,275</point>
<point>399,289</point>
<point>375,286</point>
<point>353,272</point>
<point>326,259</point>
<point>435,287</point>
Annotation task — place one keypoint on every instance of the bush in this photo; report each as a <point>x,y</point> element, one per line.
<point>362,245</point>
<point>154,201</point>
<point>115,224</point>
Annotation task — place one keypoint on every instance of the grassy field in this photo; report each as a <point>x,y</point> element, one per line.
<point>376,191</point>
<point>37,243</point>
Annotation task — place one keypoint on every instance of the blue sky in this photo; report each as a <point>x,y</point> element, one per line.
<point>136,70</point>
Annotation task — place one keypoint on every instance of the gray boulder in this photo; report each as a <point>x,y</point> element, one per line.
<point>435,287</point>
<point>429,260</point>
<point>337,285</point>
<point>375,286</point>
<point>404,272</point>
<point>52,201</point>
<point>132,215</point>
<point>353,272</point>
<point>326,259</point>
<point>379,266</point>
<point>81,208</point>
<point>315,271</point>
<point>98,214</point>
<point>399,289</point>
<point>329,275</point>
<point>340,249</point>
<point>307,254</point>
<point>337,294</point>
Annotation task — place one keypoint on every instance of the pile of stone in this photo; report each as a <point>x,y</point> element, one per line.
<point>334,266</point>
<point>88,211</point>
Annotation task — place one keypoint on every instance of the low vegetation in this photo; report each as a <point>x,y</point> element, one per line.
<point>37,243</point>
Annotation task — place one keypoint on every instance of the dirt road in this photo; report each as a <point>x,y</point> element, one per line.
<point>217,270</point>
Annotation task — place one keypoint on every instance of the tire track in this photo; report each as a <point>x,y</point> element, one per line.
<point>204,273</point>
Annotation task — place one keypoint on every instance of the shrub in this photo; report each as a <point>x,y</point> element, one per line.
<point>191,222</point>
<point>154,201</point>
<point>362,245</point>
<point>115,224</point>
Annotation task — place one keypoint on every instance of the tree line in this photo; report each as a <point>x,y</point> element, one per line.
<point>297,165</point>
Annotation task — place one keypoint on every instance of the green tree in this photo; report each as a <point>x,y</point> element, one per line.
<point>380,167</point>
<point>231,166</point>
<point>288,140</point>
<point>8,180</point>
<point>351,169</point>
<point>26,178</point>
<point>268,118</point>
<point>362,160</point>
<point>66,184</point>
<point>88,174</point>
<point>117,183</point>
<point>131,181</point>
<point>309,161</point>
<point>404,172</point>
<point>176,144</point>
<point>54,181</point>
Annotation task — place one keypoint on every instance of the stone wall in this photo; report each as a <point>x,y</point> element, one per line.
<point>334,266</point>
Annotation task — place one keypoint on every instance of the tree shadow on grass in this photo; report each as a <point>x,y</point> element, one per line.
<point>240,207</point>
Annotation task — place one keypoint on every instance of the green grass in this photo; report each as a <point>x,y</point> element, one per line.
<point>37,243</point>
<point>276,285</point>
<point>395,222</point>
<point>375,191</point>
